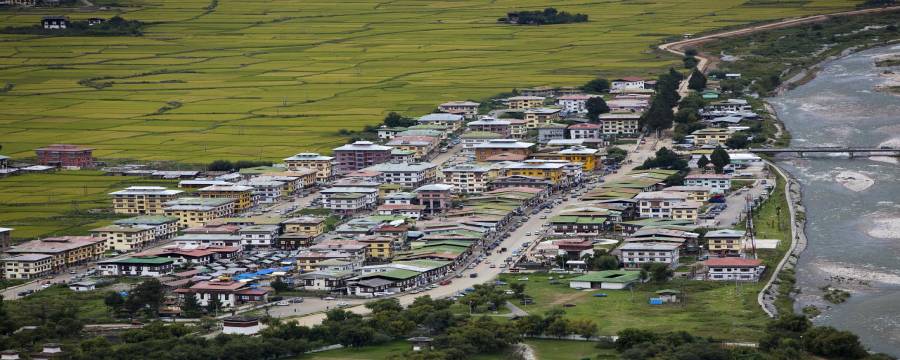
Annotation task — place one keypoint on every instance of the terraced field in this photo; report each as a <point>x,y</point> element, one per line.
<point>266,79</point>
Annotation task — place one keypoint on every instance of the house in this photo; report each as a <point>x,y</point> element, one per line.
<point>163,227</point>
<point>359,155</point>
<point>228,292</point>
<point>95,21</point>
<point>86,285</point>
<point>467,178</point>
<point>62,155</point>
<point>465,108</point>
<point>586,157</point>
<point>491,125</point>
<point>388,133</point>
<point>55,22</point>
<point>544,91</point>
<point>585,131</point>
<point>407,175</point>
<point>619,123</point>
<point>255,236</point>
<point>695,193</point>
<point>399,198</point>
<point>349,200</point>
<point>728,105</point>
<point>195,211</point>
<point>409,210</point>
<point>686,210</point>
<point>734,269</point>
<point>518,128</point>
<point>667,296</point>
<point>726,242</point>
<point>716,183</point>
<point>27,266</point>
<point>307,225</point>
<point>4,162</point>
<point>125,237</point>
<point>524,102</point>
<point>142,199</point>
<point>535,117</point>
<point>241,194</point>
<point>499,146</point>
<point>66,251</point>
<point>551,131</point>
<point>635,254</point>
<point>322,164</point>
<point>581,222</point>
<point>137,266</point>
<point>607,279</point>
<point>437,198</point>
<point>325,280</point>
<point>420,343</point>
<point>192,256</point>
<point>574,104</point>
<point>453,121</point>
<point>711,136</point>
<point>658,204</point>
<point>470,139</point>
<point>421,146</point>
<point>626,83</point>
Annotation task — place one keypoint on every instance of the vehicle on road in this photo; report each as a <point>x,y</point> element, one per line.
<point>297,300</point>
<point>342,304</point>
<point>445,282</point>
<point>473,275</point>
<point>329,298</point>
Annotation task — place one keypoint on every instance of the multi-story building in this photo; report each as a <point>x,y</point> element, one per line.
<point>349,200</point>
<point>585,131</point>
<point>65,250</point>
<point>544,91</point>
<point>150,266</point>
<point>437,198</point>
<point>470,139</point>
<point>712,136</point>
<point>421,146</point>
<point>322,164</point>
<point>267,191</point>
<point>229,293</point>
<point>716,183</point>
<point>725,242</point>
<point>686,210</point>
<point>307,225</point>
<point>619,123</point>
<point>518,128</point>
<point>359,155</point>
<point>465,108</point>
<point>586,157</point>
<point>27,266</point>
<point>695,193</point>
<point>551,131</point>
<point>524,102</point>
<point>492,125</point>
<point>500,146</point>
<point>551,170</point>
<point>256,236</point>
<point>536,117</point>
<point>241,194</point>
<point>635,254</point>
<point>734,269</point>
<point>574,104</point>
<point>142,199</point>
<point>378,247</point>
<point>408,210</point>
<point>732,105</point>
<point>399,198</point>
<point>65,155</point>
<point>194,211</point>
<point>407,175</point>
<point>626,83</point>
<point>467,178</point>
<point>125,237</point>
<point>453,121</point>
<point>658,204</point>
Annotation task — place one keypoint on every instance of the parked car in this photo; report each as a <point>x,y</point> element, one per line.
<point>329,298</point>
<point>297,300</point>
<point>282,303</point>
<point>445,282</point>
<point>473,275</point>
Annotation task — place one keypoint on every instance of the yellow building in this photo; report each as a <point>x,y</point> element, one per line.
<point>587,157</point>
<point>695,193</point>
<point>724,242</point>
<point>194,212</point>
<point>524,102</point>
<point>64,250</point>
<point>542,169</point>
<point>379,247</point>
<point>27,266</point>
<point>711,136</point>
<point>540,116</point>
<point>322,164</point>
<point>687,210</point>
<point>124,238</point>
<point>139,200</point>
<point>306,225</point>
<point>242,195</point>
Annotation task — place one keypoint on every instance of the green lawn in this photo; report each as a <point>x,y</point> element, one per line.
<point>62,203</point>
<point>89,304</point>
<point>378,352</point>
<point>267,79</point>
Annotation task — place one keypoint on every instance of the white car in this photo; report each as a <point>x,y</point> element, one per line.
<point>329,298</point>
<point>282,303</point>
<point>342,304</point>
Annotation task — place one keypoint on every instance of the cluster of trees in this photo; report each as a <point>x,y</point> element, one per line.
<point>553,324</point>
<point>719,159</point>
<point>596,86</point>
<point>664,159</point>
<point>226,165</point>
<point>115,26</point>
<point>659,116</point>
<point>546,17</point>
<point>790,335</point>
<point>616,154</point>
<point>697,81</point>
<point>687,118</point>
<point>144,299</point>
<point>595,106</point>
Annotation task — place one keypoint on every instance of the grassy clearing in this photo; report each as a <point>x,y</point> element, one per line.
<point>63,203</point>
<point>384,351</point>
<point>568,350</point>
<point>266,79</point>
<point>89,304</point>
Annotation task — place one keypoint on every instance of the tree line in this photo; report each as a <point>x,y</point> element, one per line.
<point>115,26</point>
<point>546,17</point>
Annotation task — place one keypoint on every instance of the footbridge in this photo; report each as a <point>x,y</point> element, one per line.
<point>852,151</point>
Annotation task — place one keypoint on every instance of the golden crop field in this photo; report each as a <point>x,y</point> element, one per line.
<point>267,79</point>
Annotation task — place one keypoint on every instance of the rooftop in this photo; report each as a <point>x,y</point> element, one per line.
<point>146,190</point>
<point>362,145</point>
<point>649,246</point>
<point>732,262</point>
<point>441,117</point>
<point>309,157</point>
<point>614,276</point>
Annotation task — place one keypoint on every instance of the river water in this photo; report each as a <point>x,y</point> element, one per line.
<point>853,230</point>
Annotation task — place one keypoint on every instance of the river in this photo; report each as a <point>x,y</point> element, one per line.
<point>853,205</point>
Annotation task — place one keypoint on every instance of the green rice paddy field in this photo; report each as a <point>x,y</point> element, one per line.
<point>267,79</point>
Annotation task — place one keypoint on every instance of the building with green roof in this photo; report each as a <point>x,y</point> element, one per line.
<point>607,279</point>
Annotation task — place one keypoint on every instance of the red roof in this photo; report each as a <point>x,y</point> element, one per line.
<point>732,262</point>
<point>217,286</point>
<point>256,291</point>
<point>401,207</point>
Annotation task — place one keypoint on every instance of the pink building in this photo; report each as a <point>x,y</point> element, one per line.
<point>360,154</point>
<point>437,198</point>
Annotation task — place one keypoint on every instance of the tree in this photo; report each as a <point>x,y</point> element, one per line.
<point>658,272</point>
<point>7,326</point>
<point>595,106</point>
<point>586,328</point>
<point>629,338</point>
<point>394,119</point>
<point>518,288</point>
<point>664,159</point>
<point>280,286</point>
<point>149,294</point>
<point>598,85</point>
<point>214,305</point>
<point>114,301</point>
<point>702,162</point>
<point>616,154</point>
<point>832,343</point>
<point>220,165</point>
<point>738,140</point>
<point>697,81</point>
<point>559,327</point>
<point>719,159</point>
<point>190,308</point>
<point>606,262</point>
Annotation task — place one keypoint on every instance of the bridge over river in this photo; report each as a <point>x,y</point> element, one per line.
<point>852,151</point>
